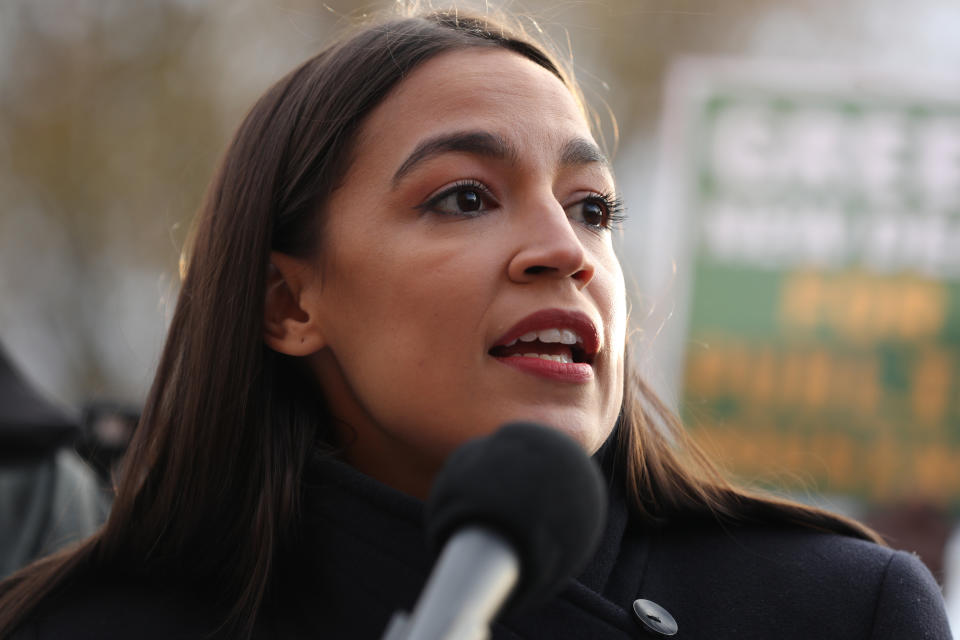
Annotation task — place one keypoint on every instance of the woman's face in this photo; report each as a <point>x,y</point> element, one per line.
<point>467,277</point>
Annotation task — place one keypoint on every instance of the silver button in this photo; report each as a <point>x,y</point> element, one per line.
<point>654,617</point>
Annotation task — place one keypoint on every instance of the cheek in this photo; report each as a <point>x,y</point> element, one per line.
<point>407,314</point>
<point>612,299</point>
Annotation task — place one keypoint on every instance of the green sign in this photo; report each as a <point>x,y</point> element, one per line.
<point>824,342</point>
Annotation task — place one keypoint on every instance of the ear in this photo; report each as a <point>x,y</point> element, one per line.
<point>291,325</point>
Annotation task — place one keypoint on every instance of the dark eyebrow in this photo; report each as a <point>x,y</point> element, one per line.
<point>580,151</point>
<point>480,143</point>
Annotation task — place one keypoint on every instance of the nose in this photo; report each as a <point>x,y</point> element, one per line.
<point>549,247</point>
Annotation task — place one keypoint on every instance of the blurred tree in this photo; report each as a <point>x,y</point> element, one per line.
<point>109,135</point>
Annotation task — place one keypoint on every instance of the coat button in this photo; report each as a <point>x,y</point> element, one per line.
<point>654,618</point>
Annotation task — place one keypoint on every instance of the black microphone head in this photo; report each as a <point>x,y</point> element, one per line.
<point>536,487</point>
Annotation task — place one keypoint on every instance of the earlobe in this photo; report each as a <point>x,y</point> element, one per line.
<point>291,326</point>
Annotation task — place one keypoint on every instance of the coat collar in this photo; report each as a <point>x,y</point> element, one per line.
<point>356,526</point>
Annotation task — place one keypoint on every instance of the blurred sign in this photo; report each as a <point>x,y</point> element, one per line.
<point>823,212</point>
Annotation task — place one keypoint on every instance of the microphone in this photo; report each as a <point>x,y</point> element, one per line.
<point>516,514</point>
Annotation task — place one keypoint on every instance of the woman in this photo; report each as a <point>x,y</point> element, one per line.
<point>408,244</point>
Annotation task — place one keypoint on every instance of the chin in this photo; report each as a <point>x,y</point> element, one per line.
<point>586,430</point>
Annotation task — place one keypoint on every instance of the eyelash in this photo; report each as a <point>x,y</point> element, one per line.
<point>613,209</point>
<point>612,205</point>
<point>432,205</point>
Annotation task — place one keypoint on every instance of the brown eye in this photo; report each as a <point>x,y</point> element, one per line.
<point>594,213</point>
<point>466,199</point>
<point>469,200</point>
<point>598,212</point>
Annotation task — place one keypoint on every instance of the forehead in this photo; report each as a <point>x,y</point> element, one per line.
<point>479,88</point>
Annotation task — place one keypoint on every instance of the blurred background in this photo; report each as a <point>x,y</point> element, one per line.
<point>791,169</point>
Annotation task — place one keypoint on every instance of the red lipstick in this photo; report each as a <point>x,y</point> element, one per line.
<point>536,343</point>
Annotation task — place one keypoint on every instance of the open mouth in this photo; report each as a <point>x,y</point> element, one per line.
<point>558,345</point>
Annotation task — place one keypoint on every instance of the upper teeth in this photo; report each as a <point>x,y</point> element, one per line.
<point>563,336</point>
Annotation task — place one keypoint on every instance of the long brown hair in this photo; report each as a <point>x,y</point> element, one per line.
<point>228,423</point>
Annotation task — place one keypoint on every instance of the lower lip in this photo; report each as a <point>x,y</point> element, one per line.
<point>551,369</point>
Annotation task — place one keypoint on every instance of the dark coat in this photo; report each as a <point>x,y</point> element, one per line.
<point>48,496</point>
<point>29,424</point>
<point>366,559</point>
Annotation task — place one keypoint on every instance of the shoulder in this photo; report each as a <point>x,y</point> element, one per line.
<point>824,584</point>
<point>122,608</point>
<point>909,599</point>
<point>793,552</point>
